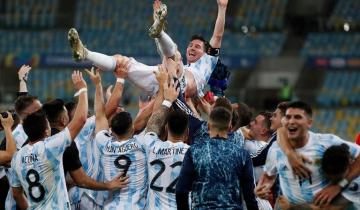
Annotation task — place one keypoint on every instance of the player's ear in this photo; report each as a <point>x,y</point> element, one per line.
<point>47,132</point>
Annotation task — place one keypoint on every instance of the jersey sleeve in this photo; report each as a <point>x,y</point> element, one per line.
<point>87,130</point>
<point>101,138</point>
<point>13,178</point>
<point>148,140</point>
<point>56,144</point>
<point>202,70</point>
<point>270,165</point>
<point>331,139</point>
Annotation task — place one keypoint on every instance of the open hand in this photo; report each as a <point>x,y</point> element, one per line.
<point>78,80</point>
<point>24,72</point>
<point>118,182</point>
<point>94,76</point>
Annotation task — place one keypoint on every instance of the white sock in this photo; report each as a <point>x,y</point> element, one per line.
<point>166,45</point>
<point>158,48</point>
<point>104,62</point>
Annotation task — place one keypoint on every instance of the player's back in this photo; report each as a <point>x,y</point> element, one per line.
<point>37,168</point>
<point>123,158</point>
<point>164,163</point>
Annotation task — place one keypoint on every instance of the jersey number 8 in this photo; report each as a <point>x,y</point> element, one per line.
<point>35,183</point>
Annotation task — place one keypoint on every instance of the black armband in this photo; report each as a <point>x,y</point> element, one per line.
<point>213,51</point>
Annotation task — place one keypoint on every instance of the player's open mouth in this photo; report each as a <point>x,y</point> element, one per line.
<point>292,130</point>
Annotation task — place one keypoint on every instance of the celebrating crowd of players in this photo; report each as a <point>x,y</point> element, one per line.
<point>56,156</point>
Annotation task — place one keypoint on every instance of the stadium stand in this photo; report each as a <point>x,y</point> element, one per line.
<point>340,88</point>
<point>30,13</point>
<point>344,122</point>
<point>332,44</point>
<point>261,14</point>
<point>345,11</point>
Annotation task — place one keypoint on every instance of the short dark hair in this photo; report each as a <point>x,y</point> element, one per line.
<point>121,123</point>
<point>202,39</point>
<point>53,109</point>
<point>223,102</point>
<point>244,115</point>
<point>35,125</point>
<point>336,159</point>
<point>267,115</point>
<point>23,102</point>
<point>282,106</point>
<point>177,122</point>
<point>220,118</point>
<point>70,106</point>
<point>300,105</point>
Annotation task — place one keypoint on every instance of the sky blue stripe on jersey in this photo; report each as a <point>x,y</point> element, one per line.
<point>285,184</point>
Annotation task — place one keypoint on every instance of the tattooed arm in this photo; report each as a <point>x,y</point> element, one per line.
<point>158,118</point>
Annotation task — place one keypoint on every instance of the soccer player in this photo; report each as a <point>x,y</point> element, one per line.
<point>297,122</point>
<point>122,154</point>
<point>24,105</point>
<point>260,134</point>
<point>165,157</point>
<point>196,74</point>
<point>335,165</point>
<point>85,142</point>
<point>216,171</point>
<point>58,118</point>
<point>36,168</point>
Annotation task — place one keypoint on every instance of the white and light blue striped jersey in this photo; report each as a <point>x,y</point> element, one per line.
<point>38,169</point>
<point>352,192</point>
<point>202,70</point>
<point>10,203</point>
<point>302,191</point>
<point>89,157</point>
<point>164,164</point>
<point>124,158</point>
<point>254,147</point>
<point>19,136</point>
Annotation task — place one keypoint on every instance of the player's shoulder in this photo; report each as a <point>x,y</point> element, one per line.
<point>325,138</point>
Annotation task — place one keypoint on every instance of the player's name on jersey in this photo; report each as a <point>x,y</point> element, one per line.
<point>29,159</point>
<point>169,151</point>
<point>121,149</point>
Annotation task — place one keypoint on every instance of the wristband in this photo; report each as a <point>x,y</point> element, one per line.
<point>80,91</point>
<point>167,103</point>
<point>343,183</point>
<point>121,80</point>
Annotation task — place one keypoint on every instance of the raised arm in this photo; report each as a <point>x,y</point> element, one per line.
<point>23,77</point>
<point>101,122</point>
<point>216,38</point>
<point>143,115</point>
<point>5,156</point>
<point>120,73</point>
<point>81,111</point>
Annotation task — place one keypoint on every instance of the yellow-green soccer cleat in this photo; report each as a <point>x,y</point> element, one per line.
<point>79,51</point>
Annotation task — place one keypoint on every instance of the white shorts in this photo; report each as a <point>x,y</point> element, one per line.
<point>143,77</point>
